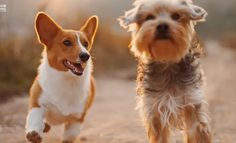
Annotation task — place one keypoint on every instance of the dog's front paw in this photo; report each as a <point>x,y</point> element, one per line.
<point>67,142</point>
<point>34,137</point>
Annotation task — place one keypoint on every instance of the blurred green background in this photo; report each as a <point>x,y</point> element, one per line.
<point>20,51</point>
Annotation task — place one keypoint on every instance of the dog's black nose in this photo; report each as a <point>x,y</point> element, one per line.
<point>84,57</point>
<point>163,27</point>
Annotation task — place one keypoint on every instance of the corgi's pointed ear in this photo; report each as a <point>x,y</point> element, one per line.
<point>45,28</point>
<point>90,28</point>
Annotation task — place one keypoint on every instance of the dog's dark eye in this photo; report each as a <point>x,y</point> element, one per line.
<point>150,17</point>
<point>175,16</point>
<point>86,44</point>
<point>67,43</point>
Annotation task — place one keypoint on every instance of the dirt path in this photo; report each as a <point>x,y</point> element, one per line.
<point>112,118</point>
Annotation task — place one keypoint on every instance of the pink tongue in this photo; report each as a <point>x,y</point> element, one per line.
<point>77,68</point>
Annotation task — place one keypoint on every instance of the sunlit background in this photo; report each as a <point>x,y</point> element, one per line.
<point>20,53</point>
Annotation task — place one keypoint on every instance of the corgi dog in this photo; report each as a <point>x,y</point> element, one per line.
<point>64,88</point>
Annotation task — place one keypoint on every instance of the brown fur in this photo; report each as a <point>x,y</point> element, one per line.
<point>143,31</point>
<point>89,100</point>
<point>156,134</point>
<point>56,55</point>
<point>57,51</point>
<point>52,36</point>
<point>168,50</point>
<point>155,79</point>
<point>35,92</point>
<point>202,134</point>
<point>170,80</point>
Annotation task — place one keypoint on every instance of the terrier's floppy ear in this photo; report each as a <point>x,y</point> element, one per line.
<point>197,13</point>
<point>130,17</point>
<point>45,28</point>
<point>90,28</point>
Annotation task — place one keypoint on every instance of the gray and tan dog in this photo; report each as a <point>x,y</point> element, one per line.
<point>170,80</point>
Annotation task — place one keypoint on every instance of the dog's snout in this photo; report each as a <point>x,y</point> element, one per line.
<point>84,56</point>
<point>162,31</point>
<point>163,27</point>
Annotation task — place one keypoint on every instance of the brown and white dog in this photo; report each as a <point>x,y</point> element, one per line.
<point>170,80</point>
<point>64,89</point>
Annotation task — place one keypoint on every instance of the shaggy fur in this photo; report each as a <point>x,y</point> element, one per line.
<point>170,80</point>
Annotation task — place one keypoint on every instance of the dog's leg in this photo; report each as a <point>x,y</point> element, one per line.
<point>73,128</point>
<point>71,131</point>
<point>198,128</point>
<point>156,133</point>
<point>35,125</point>
<point>151,118</point>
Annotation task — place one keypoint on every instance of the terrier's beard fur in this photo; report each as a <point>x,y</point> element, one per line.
<point>146,46</point>
<point>143,21</point>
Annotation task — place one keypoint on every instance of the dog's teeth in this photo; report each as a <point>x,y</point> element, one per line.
<point>68,62</point>
<point>83,65</point>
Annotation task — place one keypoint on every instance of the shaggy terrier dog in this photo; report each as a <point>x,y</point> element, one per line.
<point>170,80</point>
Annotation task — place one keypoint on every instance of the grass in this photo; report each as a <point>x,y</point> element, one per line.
<point>18,63</point>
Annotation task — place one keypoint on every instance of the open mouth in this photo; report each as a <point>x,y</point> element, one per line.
<point>75,68</point>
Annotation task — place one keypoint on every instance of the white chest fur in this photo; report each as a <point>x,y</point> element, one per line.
<point>62,92</point>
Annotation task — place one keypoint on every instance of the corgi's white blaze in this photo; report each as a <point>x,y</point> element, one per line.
<point>35,121</point>
<point>62,93</point>
<point>83,49</point>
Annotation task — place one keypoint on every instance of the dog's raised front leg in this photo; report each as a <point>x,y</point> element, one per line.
<point>198,126</point>
<point>34,122</point>
<point>35,125</point>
